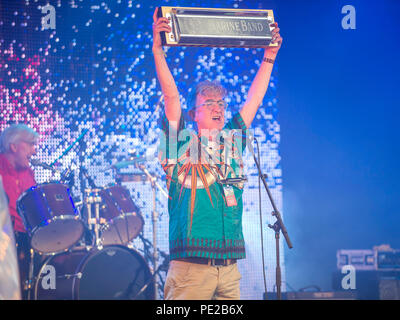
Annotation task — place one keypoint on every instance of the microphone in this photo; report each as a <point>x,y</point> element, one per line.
<point>88,178</point>
<point>67,177</point>
<point>66,173</point>
<point>37,163</point>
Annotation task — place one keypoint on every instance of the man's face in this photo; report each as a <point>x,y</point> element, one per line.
<point>210,112</point>
<point>21,152</point>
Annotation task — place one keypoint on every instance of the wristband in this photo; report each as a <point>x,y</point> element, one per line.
<point>268,60</point>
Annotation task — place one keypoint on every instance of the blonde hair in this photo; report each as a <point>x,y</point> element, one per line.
<point>208,87</point>
<point>204,88</point>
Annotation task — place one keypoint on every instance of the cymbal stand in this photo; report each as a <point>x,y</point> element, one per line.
<point>154,184</point>
<point>155,253</point>
<point>152,179</point>
<point>92,197</point>
<point>162,267</point>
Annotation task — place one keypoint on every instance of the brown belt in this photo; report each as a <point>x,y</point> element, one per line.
<point>210,262</point>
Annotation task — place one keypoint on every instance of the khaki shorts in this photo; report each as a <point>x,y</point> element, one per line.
<point>192,281</point>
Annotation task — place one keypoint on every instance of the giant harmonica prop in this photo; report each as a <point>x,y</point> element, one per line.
<point>205,27</point>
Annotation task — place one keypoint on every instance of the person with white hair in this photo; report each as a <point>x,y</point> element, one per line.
<point>17,146</point>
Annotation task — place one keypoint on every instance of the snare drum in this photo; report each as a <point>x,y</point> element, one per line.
<point>123,219</point>
<point>112,273</point>
<point>50,217</point>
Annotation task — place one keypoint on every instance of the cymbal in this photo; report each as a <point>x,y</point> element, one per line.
<point>126,163</point>
<point>130,177</point>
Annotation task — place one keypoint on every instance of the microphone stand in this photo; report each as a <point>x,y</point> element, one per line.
<point>277,226</point>
<point>162,267</point>
<point>154,184</point>
<point>70,147</point>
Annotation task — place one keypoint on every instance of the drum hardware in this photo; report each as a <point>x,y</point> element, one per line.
<point>92,197</point>
<point>117,218</point>
<point>154,185</point>
<point>78,203</point>
<point>149,256</point>
<point>34,280</point>
<point>121,220</point>
<point>153,179</point>
<point>63,276</point>
<point>161,267</point>
<point>28,284</point>
<point>137,162</point>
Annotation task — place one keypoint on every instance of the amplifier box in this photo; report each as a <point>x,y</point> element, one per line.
<point>379,258</point>
<point>389,289</point>
<point>388,260</point>
<point>359,259</point>
<point>371,285</point>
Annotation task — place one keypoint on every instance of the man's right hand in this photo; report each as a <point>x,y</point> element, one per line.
<point>159,24</point>
<point>167,82</point>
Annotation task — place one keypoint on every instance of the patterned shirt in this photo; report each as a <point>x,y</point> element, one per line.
<point>201,223</point>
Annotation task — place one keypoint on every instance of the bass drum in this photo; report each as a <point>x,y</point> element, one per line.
<point>112,273</point>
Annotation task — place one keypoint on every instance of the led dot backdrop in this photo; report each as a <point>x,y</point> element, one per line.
<point>94,74</point>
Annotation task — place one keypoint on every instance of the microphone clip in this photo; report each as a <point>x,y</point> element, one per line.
<point>233,180</point>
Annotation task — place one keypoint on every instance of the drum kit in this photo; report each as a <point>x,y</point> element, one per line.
<point>86,247</point>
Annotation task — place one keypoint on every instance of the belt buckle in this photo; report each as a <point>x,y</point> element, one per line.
<point>223,264</point>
